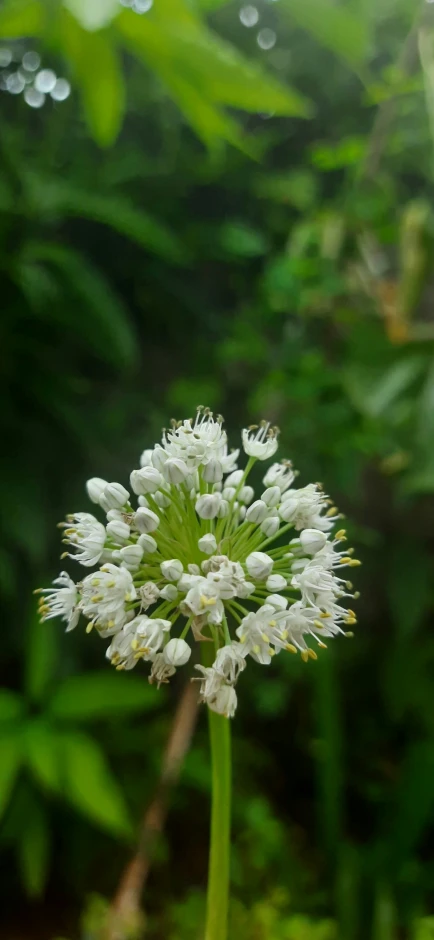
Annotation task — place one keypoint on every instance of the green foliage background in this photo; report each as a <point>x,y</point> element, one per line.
<point>207,222</point>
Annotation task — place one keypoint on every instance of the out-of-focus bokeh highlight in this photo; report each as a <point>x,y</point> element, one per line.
<point>228,204</point>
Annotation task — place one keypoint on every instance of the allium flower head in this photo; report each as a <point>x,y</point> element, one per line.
<point>256,577</point>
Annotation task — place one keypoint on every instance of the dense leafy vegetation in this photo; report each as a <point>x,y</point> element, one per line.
<point>257,234</point>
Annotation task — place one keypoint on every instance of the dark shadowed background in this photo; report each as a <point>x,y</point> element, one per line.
<point>227,204</point>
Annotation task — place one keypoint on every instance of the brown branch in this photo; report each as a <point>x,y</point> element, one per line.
<point>124,916</point>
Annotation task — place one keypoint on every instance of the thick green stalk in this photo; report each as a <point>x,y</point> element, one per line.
<point>219,856</point>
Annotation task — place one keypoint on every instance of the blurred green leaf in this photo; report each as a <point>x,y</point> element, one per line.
<point>385,915</point>
<point>22,18</point>
<point>34,849</point>
<point>409,563</point>
<point>242,240</point>
<point>43,753</point>
<point>373,394</point>
<point>10,762</point>
<point>90,785</point>
<point>41,657</point>
<point>97,68</point>
<point>12,706</point>
<point>106,326</point>
<point>93,14</point>
<point>414,806</point>
<point>102,695</point>
<point>339,29</point>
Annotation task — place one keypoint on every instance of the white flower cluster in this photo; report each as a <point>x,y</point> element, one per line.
<point>252,576</point>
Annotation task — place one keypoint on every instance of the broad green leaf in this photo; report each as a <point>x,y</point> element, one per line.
<point>33,850</point>
<point>333,26</point>
<point>102,695</point>
<point>22,18</point>
<point>202,60</point>
<point>90,785</point>
<point>10,762</point>
<point>95,63</point>
<point>93,14</point>
<point>43,754</point>
<point>106,327</point>
<point>12,706</point>
<point>41,655</point>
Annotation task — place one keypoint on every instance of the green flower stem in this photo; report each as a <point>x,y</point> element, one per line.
<point>219,855</point>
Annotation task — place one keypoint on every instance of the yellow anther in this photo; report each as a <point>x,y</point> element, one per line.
<point>207,601</point>
<point>116,659</point>
<point>355,562</point>
<point>256,649</point>
<point>97,598</point>
<point>324,615</point>
<point>95,582</point>
<point>291,648</point>
<point>134,644</point>
<point>341,535</point>
<point>64,555</point>
<point>264,637</point>
<point>318,625</point>
<point>111,584</point>
<point>271,651</point>
<point>284,634</point>
<point>350,634</point>
<point>243,638</point>
<point>120,667</point>
<point>332,511</point>
<point>305,655</point>
<point>322,646</point>
<point>89,627</point>
<point>351,612</point>
<point>272,623</point>
<point>311,654</point>
<point>351,621</point>
<point>345,560</point>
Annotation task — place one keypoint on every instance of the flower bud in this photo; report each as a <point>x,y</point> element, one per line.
<point>287,509</point>
<point>161,499</point>
<point>224,702</point>
<point>175,470</point>
<point>119,531</point>
<point>207,544</point>
<point>245,589</point>
<point>312,540</point>
<point>223,509</point>
<point>193,569</point>
<point>217,487</point>
<point>159,458</point>
<point>256,512</point>
<point>277,601</point>
<point>146,458</point>
<point>212,472</point>
<point>177,652</point>
<point>228,492</point>
<point>270,526</point>
<point>207,506</point>
<point>234,478</point>
<point>113,496</point>
<point>146,480</point>
<point>131,556</point>
<point>246,494</point>
<point>145,520</point>
<point>259,565</point>
<point>142,501</point>
<point>148,543</point>
<point>169,592</point>
<point>95,487</point>
<point>276,582</point>
<point>172,570</point>
<point>271,496</point>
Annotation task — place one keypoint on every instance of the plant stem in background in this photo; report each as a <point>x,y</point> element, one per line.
<point>219,857</point>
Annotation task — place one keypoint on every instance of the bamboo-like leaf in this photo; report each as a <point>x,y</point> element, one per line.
<point>93,14</point>
<point>95,62</point>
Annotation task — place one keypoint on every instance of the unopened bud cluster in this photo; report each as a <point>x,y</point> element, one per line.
<point>198,558</point>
